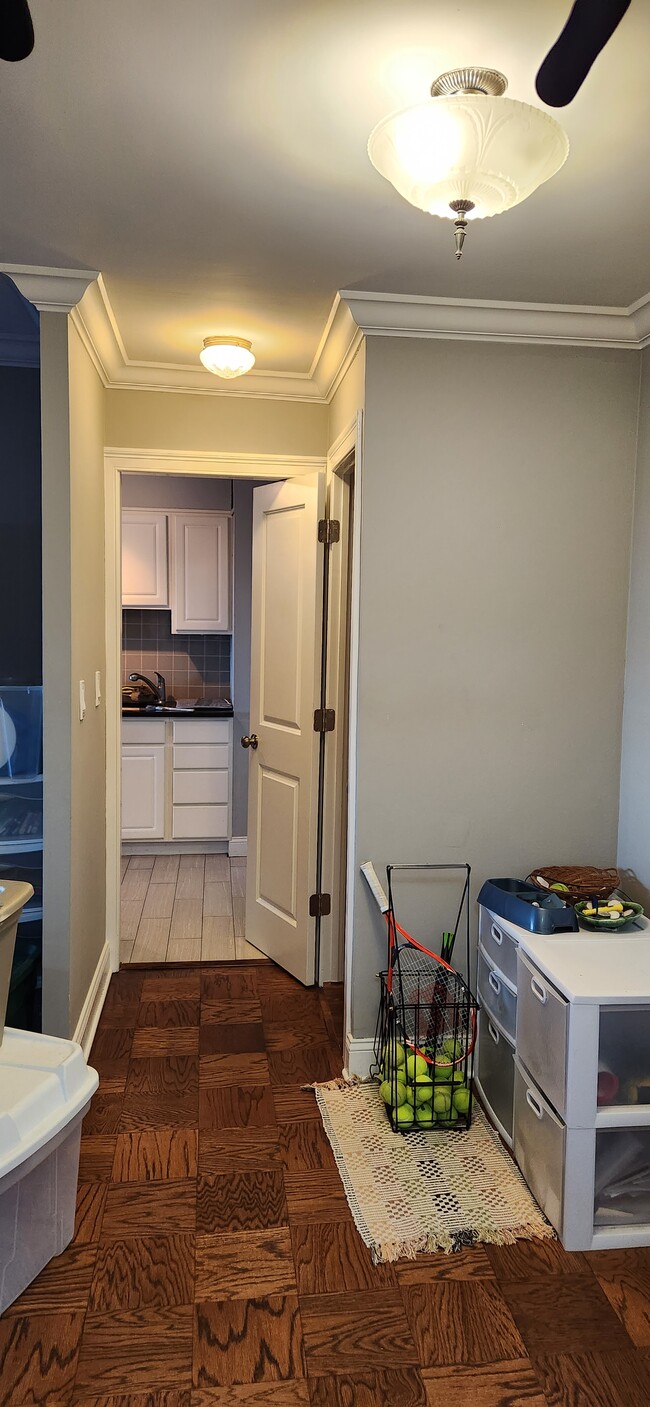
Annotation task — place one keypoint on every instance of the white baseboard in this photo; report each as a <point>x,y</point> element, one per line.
<point>360,1054</point>
<point>174,847</point>
<point>238,845</point>
<point>92,1007</point>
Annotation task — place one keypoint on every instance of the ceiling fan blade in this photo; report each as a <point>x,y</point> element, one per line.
<point>16,30</point>
<point>587,30</point>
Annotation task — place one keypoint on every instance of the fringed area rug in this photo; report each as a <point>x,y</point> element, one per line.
<point>424,1191</point>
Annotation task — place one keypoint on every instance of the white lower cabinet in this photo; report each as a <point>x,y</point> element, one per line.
<point>143,791</point>
<point>176,779</point>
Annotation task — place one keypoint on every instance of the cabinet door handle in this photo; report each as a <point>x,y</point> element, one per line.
<point>492,1030</point>
<point>534,1104</point>
<point>538,991</point>
<point>494,983</point>
<point>496,934</point>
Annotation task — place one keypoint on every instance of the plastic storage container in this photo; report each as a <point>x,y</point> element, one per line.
<point>21,724</point>
<point>496,1073</point>
<point>45,1090</point>
<point>496,994</point>
<point>13,897</point>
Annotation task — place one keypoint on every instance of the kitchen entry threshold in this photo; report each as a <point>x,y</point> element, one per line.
<point>179,907</point>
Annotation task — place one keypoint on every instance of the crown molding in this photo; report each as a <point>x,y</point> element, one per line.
<point>640,312</point>
<point>389,315</point>
<point>200,462</point>
<point>97,326</point>
<point>50,290</point>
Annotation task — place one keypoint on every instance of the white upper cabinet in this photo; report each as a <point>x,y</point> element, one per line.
<point>144,558</point>
<point>201,577</point>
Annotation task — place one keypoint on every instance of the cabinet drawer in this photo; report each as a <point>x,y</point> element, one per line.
<point>497,943</point>
<point>143,730</point>
<point>496,1071</point>
<point>496,994</point>
<point>200,822</point>
<point>203,756</point>
<point>539,1138</point>
<point>542,1028</point>
<point>200,787</point>
<point>202,730</point>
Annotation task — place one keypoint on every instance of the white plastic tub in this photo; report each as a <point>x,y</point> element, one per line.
<point>45,1091</point>
<point>13,897</point>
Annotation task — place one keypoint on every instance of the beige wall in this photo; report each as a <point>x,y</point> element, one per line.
<point>176,422</point>
<point>496,522</point>
<point>634,826</point>
<point>74,857</point>
<point>349,397</point>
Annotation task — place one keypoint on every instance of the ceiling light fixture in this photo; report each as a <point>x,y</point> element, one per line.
<point>468,152</point>
<point>227,356</point>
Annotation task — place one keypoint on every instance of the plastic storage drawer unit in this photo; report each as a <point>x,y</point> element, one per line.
<point>539,1147</point>
<point>542,1031</point>
<point>498,944</point>
<point>496,1073</point>
<point>45,1090</point>
<point>496,994</point>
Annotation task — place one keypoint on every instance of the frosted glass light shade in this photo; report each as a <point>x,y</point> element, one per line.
<point>493,151</point>
<point>227,356</point>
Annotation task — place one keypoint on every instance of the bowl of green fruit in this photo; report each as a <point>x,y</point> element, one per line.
<point>608,916</point>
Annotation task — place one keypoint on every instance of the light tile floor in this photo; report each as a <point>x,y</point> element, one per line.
<point>183,908</point>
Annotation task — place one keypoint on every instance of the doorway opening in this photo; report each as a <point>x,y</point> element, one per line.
<point>182,895</point>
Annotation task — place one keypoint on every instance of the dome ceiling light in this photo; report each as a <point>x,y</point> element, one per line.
<point>468,152</point>
<point>227,356</point>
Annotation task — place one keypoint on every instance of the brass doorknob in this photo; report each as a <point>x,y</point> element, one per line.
<point>250,742</point>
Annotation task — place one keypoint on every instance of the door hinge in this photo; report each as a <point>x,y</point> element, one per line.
<point>320,905</point>
<point>324,720</point>
<point>329,530</point>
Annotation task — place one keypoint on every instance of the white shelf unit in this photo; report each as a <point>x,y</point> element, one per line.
<point>582,1010</point>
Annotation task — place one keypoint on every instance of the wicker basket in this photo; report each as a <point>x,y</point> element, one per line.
<point>582,881</point>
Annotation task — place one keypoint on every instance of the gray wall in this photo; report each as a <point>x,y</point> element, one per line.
<point>634,827</point>
<point>74,788</point>
<point>176,491</point>
<point>496,520</point>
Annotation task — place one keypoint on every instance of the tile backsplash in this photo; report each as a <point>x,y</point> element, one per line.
<point>192,664</point>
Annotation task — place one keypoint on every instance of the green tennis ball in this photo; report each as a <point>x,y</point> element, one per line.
<point>393,1092</point>
<point>442,1072</point>
<point>461,1100</point>
<point>416,1065</point>
<point>449,1119</point>
<point>442,1101</point>
<point>394,1056</point>
<point>425,1117</point>
<point>423,1089</point>
<point>403,1116</point>
<point>410,1095</point>
<point>457,1077</point>
<point>453,1049</point>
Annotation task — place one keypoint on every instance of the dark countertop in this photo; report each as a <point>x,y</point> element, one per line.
<point>154,712</point>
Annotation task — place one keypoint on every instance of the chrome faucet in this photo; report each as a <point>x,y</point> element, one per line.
<point>159,689</point>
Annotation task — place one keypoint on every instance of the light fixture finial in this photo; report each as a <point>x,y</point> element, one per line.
<point>461,208</point>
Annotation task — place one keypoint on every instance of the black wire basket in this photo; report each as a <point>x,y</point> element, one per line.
<point>426,1028</point>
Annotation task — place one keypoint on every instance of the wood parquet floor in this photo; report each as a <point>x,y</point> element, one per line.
<point>216,1264</point>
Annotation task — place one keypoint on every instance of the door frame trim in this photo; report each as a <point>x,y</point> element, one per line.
<point>217,464</point>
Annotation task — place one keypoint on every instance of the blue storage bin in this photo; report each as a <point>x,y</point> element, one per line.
<point>21,728</point>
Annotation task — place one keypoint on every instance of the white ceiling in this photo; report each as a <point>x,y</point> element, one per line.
<point>210,159</point>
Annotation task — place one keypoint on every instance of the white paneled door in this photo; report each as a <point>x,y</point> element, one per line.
<point>286,642</point>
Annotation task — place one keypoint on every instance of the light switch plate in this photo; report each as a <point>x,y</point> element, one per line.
<point>98,688</point>
<point>82,700</point>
